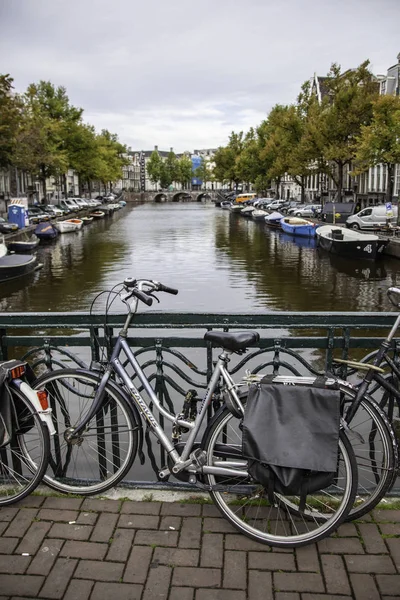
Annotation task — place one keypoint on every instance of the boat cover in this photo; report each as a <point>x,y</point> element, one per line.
<point>16,260</point>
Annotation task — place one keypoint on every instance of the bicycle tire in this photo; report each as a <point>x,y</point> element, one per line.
<point>383,470</point>
<point>23,461</point>
<point>249,511</point>
<point>106,449</point>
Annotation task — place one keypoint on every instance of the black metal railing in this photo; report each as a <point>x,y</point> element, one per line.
<point>171,349</point>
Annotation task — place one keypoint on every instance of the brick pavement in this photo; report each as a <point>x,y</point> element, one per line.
<point>89,549</point>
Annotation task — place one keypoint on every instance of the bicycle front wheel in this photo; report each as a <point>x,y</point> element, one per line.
<point>104,452</point>
<point>245,504</point>
<point>23,461</point>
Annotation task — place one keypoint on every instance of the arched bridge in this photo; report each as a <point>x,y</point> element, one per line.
<point>181,196</point>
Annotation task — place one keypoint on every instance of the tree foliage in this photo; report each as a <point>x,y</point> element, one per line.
<point>10,119</point>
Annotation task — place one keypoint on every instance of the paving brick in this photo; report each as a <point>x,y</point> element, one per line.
<point>212,550</point>
<point>215,525</point>
<point>181,510</point>
<point>235,572</point>
<point>14,563</point>
<point>86,550</point>
<point>241,542</point>
<point>394,548</point>
<point>53,514</point>
<point>364,587</point>
<point>180,593</point>
<point>3,527</point>
<point>389,584</point>
<point>141,508</point>
<point>382,516</point>
<point>99,571</point>
<point>210,510</point>
<point>101,505</point>
<point>347,530</point>
<point>196,577</point>
<point>45,557</point>
<point>138,564</point>
<point>33,538</point>
<point>307,558</point>
<point>176,557</point>
<point>156,538</point>
<point>157,584</point>
<point>8,513</point>
<point>287,596</point>
<point>170,521</point>
<point>372,538</point>
<point>190,534</point>
<point>78,589</point>
<point>30,502</point>
<point>264,561</point>
<point>298,582</point>
<point>104,527</point>
<point>138,521</point>
<point>335,574</point>
<point>21,522</point>
<point>390,528</point>
<point>369,563</point>
<point>121,545</point>
<point>220,595</point>
<point>340,546</point>
<point>122,591</point>
<point>70,532</point>
<point>8,545</point>
<point>23,585</point>
<point>85,518</point>
<point>260,585</point>
<point>57,582</point>
<point>63,503</point>
<point>325,597</point>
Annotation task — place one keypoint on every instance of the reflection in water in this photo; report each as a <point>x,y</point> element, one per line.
<point>219,262</point>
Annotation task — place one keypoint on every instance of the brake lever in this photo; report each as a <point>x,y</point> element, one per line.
<point>153,296</point>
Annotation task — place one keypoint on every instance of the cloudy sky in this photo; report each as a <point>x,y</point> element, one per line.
<point>184,74</point>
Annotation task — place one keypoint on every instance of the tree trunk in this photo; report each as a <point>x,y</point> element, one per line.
<point>303,189</point>
<point>64,184</point>
<point>340,181</point>
<point>390,182</point>
<point>278,183</point>
<point>43,180</point>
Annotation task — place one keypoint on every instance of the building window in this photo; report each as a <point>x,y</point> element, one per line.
<point>383,87</point>
<point>378,178</point>
<point>373,180</point>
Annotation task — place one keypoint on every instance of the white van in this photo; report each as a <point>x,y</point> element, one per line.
<point>372,217</point>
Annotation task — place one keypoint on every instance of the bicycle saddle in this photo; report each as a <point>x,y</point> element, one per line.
<point>232,341</point>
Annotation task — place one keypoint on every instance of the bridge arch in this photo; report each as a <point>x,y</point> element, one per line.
<point>181,196</point>
<point>160,197</point>
<point>203,196</point>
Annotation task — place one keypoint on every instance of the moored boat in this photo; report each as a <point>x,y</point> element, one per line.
<point>259,214</point>
<point>236,208</point>
<point>350,243</point>
<point>274,220</point>
<point>87,220</point>
<point>225,204</point>
<point>298,226</point>
<point>46,232</point>
<point>15,265</point>
<point>97,214</point>
<point>247,211</point>
<point>69,225</point>
<point>23,246</point>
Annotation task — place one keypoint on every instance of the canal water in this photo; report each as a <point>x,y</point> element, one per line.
<point>220,262</point>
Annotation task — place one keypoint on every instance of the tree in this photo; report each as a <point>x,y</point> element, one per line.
<point>111,155</point>
<point>379,142</point>
<point>154,167</point>
<point>184,171</point>
<point>346,108</point>
<point>226,160</point>
<point>10,119</point>
<point>170,170</point>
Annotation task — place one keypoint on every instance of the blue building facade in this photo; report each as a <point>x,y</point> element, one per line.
<point>196,162</point>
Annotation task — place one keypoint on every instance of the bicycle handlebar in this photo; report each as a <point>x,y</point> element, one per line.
<point>143,297</point>
<point>142,288</point>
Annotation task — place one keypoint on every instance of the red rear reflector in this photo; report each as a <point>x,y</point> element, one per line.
<point>42,397</point>
<point>17,372</point>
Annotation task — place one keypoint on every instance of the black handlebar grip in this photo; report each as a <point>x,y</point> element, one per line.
<point>165,288</point>
<point>143,297</point>
<point>129,282</point>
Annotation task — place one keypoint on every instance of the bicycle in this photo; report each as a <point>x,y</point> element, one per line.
<point>25,426</point>
<point>104,417</point>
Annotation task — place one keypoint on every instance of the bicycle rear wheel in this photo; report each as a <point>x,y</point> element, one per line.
<point>23,461</point>
<point>245,504</point>
<point>104,452</point>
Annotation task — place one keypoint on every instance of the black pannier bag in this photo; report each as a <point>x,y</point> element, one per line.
<point>14,417</point>
<point>291,436</point>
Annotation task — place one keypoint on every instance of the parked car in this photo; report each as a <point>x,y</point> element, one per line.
<point>289,206</point>
<point>70,203</point>
<point>64,209</point>
<point>36,214</point>
<point>275,205</point>
<point>308,210</point>
<point>53,210</point>
<point>372,217</point>
<point>81,202</point>
<point>6,227</point>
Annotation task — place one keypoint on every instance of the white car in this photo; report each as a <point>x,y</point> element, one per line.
<point>81,202</point>
<point>309,210</point>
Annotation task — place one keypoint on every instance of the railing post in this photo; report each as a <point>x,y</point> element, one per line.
<point>3,346</point>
